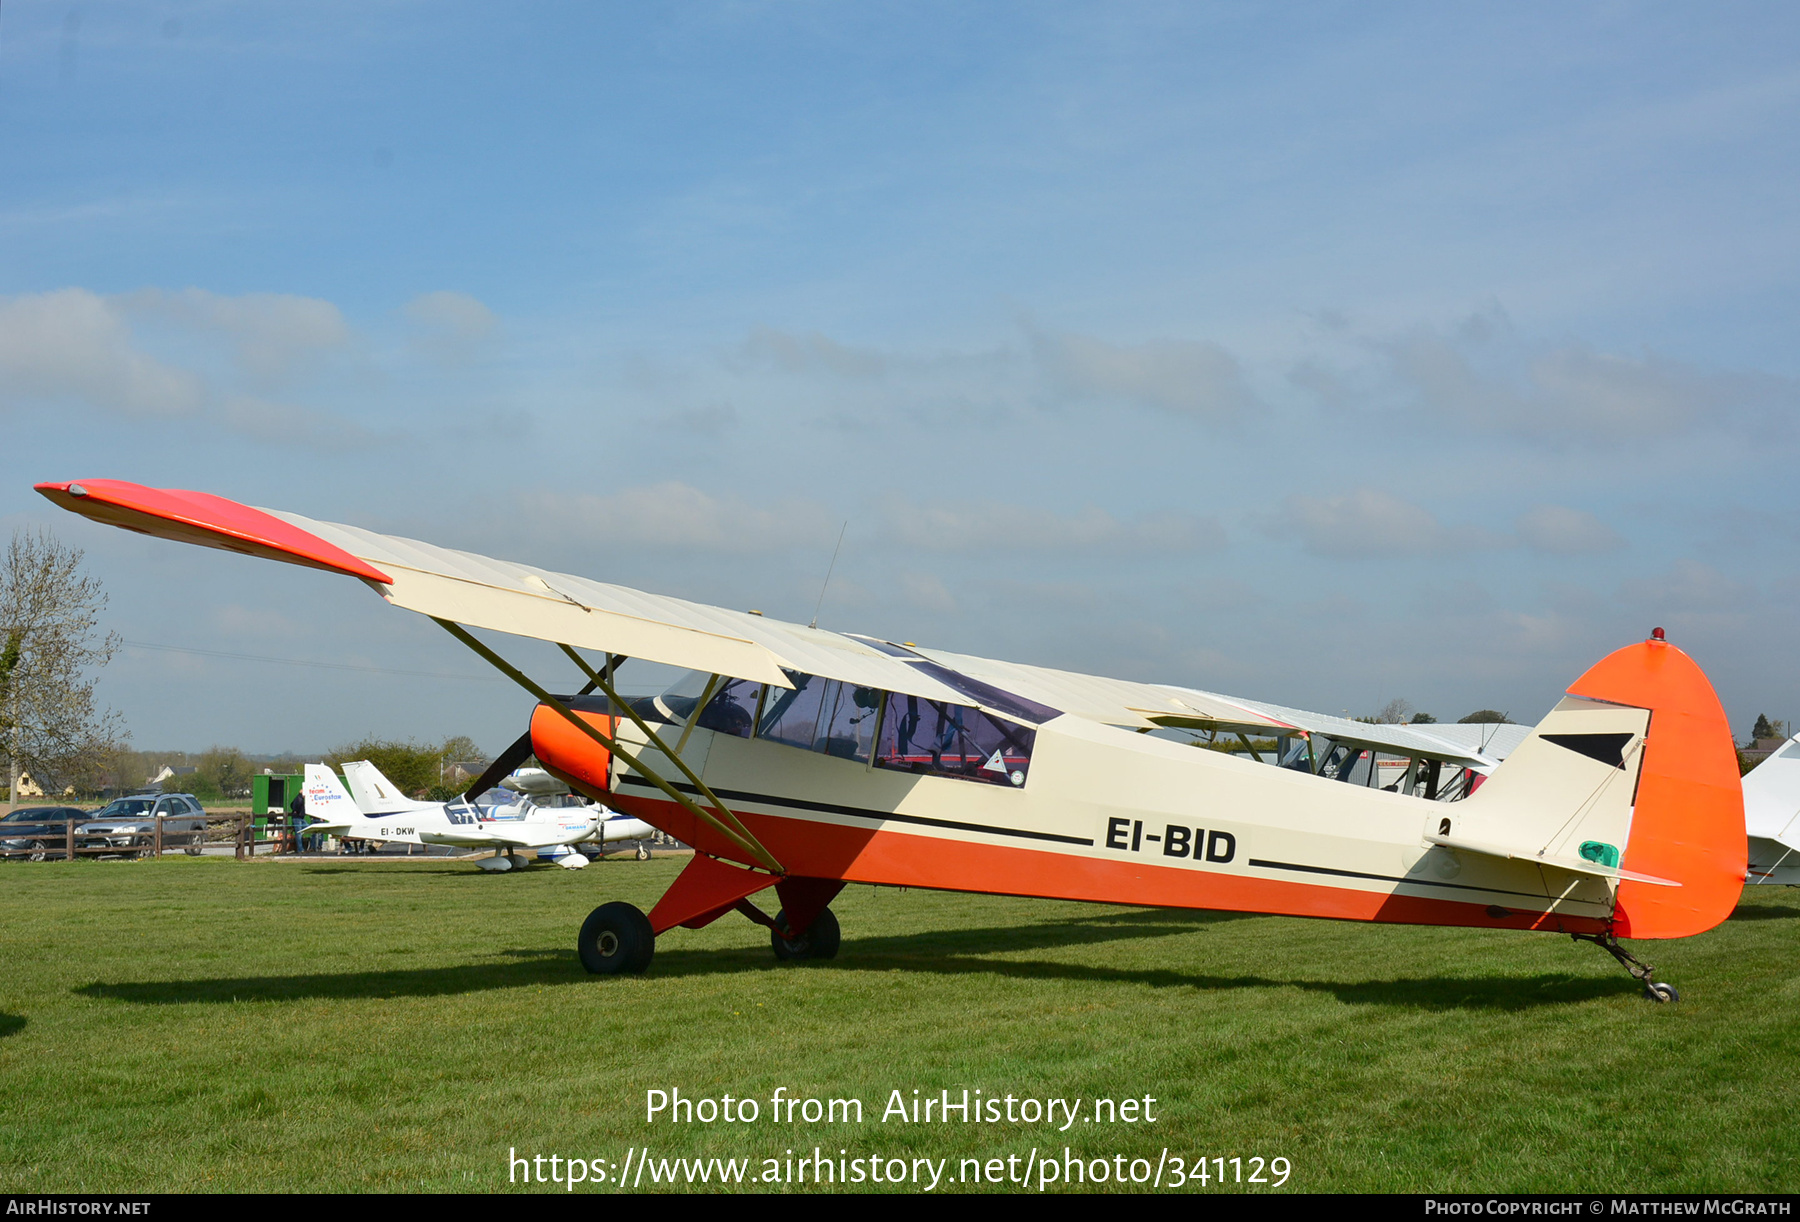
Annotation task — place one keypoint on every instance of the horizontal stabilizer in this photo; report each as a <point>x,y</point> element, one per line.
<point>1575,865</point>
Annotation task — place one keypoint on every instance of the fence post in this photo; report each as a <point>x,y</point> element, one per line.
<point>69,846</point>
<point>156,843</point>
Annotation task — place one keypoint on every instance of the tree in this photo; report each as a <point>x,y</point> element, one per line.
<point>1393,713</point>
<point>50,645</point>
<point>1423,719</point>
<point>415,768</point>
<point>1484,717</point>
<point>1767,729</point>
<point>219,774</point>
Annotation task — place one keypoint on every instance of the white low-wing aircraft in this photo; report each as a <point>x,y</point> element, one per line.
<point>1772,817</point>
<point>374,794</point>
<point>801,759</point>
<point>460,823</point>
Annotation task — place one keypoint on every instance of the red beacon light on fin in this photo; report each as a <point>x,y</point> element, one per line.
<point>1656,634</point>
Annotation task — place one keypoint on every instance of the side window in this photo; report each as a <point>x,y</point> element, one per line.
<point>953,740</point>
<point>825,715</point>
<point>733,709</point>
<point>792,716</point>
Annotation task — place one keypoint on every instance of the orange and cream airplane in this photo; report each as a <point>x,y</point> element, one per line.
<point>801,759</point>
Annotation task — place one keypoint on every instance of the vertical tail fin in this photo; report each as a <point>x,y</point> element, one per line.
<point>1688,821</point>
<point>326,799</point>
<point>377,795</point>
<point>1632,777</point>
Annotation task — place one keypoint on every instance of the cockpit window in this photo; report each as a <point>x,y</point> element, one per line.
<point>826,715</point>
<point>953,740</point>
<point>732,709</point>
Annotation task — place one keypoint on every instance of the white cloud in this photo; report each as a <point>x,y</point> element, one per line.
<point>1689,586</point>
<point>456,316</point>
<point>1566,532</point>
<point>1369,522</point>
<point>289,424</point>
<point>74,345</point>
<point>450,328</point>
<point>272,334</point>
<point>1187,377</point>
<point>812,352</point>
<point>1487,378</point>
<point>927,593</point>
<point>678,516</point>
<point>997,528</point>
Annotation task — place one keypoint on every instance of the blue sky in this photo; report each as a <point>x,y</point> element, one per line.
<point>1326,354</point>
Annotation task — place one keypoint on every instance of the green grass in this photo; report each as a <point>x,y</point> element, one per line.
<point>189,1024</point>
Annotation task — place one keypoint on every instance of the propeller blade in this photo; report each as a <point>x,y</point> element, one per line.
<point>502,767</point>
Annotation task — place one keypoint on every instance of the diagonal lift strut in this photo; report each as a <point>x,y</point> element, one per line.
<point>723,821</point>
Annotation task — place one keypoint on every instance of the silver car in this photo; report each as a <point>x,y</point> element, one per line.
<point>129,824</point>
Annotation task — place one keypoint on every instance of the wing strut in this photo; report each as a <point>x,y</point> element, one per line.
<point>605,684</point>
<point>736,833</point>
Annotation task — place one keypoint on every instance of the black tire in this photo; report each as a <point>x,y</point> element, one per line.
<point>820,941</point>
<point>1657,991</point>
<point>616,938</point>
<point>193,852</point>
<point>39,850</point>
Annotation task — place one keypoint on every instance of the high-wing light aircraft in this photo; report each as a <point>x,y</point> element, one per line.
<point>460,823</point>
<point>802,759</point>
<point>1772,817</point>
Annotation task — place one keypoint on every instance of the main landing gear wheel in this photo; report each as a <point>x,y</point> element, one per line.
<point>1658,991</point>
<point>820,941</point>
<point>616,938</point>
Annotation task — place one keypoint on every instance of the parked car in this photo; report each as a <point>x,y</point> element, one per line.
<point>129,824</point>
<point>39,831</point>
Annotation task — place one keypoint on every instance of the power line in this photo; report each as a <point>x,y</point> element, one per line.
<point>253,657</point>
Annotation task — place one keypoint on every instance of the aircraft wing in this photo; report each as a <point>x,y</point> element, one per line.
<point>514,598</point>
<point>1416,741</point>
<point>1772,797</point>
<point>477,591</point>
<point>1142,706</point>
<point>528,836</point>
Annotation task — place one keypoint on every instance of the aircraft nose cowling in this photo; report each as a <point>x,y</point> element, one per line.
<point>571,756</point>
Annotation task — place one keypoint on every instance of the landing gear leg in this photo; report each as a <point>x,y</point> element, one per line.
<point>1654,990</point>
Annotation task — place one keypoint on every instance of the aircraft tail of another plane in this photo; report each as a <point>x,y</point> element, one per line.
<point>377,795</point>
<point>1632,777</point>
<point>326,801</point>
<point>1772,816</point>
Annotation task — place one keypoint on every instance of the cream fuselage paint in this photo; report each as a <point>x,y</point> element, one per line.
<point>1099,794</point>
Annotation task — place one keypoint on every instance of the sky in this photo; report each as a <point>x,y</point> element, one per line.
<point>1328,354</point>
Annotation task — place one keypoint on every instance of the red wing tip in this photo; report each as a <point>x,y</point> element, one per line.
<point>210,515</point>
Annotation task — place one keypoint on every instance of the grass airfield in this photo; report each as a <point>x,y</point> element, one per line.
<point>204,1024</point>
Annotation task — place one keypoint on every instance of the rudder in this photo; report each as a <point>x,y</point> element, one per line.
<point>1688,820</point>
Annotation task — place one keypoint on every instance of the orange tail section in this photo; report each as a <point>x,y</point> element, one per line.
<point>1688,821</point>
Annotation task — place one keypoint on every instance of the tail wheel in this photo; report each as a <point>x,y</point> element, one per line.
<point>820,941</point>
<point>616,938</point>
<point>1658,991</point>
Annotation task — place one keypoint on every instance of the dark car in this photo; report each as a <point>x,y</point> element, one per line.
<point>38,831</point>
<point>129,824</point>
